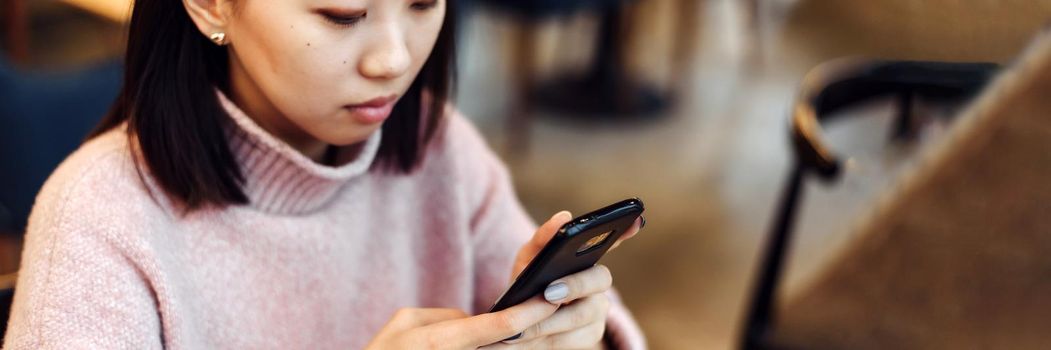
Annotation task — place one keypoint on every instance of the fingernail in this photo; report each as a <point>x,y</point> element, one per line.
<point>556,292</point>
<point>512,338</point>
<point>643,223</point>
<point>562,214</point>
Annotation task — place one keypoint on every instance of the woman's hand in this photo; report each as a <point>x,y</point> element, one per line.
<point>580,324</point>
<point>455,329</point>
<point>581,321</point>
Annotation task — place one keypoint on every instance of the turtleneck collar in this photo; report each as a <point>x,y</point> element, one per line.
<point>278,178</point>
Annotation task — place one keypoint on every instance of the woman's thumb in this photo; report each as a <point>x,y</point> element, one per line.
<point>548,230</point>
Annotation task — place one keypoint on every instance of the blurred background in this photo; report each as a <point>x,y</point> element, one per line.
<point>684,103</point>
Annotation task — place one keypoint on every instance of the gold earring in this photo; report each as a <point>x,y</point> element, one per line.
<point>219,38</point>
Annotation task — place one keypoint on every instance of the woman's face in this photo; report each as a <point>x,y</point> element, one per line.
<point>325,71</point>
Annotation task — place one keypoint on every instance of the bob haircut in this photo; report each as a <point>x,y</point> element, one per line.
<point>177,122</point>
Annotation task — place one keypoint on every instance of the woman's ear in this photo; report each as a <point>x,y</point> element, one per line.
<point>210,16</point>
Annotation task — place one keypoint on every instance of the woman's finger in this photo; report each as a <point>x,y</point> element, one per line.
<point>491,327</point>
<point>531,344</point>
<point>639,224</point>
<point>540,238</point>
<point>579,314</point>
<point>406,318</point>
<point>580,338</point>
<point>548,229</point>
<point>596,279</point>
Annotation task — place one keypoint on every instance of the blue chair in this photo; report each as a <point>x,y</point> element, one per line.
<point>44,116</point>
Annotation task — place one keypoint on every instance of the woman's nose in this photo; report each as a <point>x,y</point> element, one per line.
<point>387,59</point>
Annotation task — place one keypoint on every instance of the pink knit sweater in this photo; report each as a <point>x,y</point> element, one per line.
<point>320,259</point>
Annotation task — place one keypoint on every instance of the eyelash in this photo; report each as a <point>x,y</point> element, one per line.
<point>344,21</point>
<point>423,5</point>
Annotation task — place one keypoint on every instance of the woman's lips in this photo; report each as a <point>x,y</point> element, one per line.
<point>372,111</point>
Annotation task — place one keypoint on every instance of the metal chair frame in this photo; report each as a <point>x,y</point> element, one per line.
<point>829,88</point>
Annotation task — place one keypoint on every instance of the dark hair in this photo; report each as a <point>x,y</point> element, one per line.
<point>176,122</point>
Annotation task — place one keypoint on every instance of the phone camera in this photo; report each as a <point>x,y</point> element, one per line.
<point>593,243</point>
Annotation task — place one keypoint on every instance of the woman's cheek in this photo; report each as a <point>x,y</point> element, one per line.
<point>317,78</point>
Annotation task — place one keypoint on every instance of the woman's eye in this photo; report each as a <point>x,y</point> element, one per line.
<point>423,5</point>
<point>344,20</point>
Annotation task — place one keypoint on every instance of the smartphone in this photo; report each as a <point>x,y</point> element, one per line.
<point>577,246</point>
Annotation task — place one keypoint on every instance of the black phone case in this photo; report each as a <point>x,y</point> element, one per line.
<point>559,257</point>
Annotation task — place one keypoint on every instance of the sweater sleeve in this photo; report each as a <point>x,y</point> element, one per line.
<point>500,226</point>
<point>75,288</point>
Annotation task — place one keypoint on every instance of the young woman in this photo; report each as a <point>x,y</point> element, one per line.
<point>286,174</point>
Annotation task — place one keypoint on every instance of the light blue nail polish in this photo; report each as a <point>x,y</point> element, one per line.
<point>556,292</point>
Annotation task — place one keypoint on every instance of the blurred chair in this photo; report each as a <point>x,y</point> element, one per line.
<point>43,117</point>
<point>953,257</point>
<point>605,90</point>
